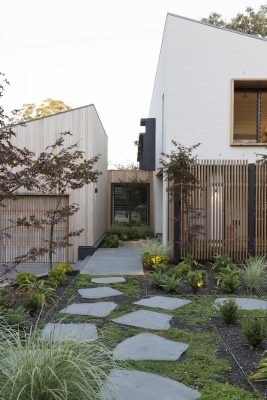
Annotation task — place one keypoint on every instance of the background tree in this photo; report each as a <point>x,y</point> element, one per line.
<point>251,21</point>
<point>48,107</point>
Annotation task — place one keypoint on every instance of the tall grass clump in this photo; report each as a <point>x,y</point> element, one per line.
<point>154,247</point>
<point>31,369</point>
<point>254,274</point>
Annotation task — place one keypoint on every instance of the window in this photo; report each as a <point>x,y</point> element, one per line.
<point>130,203</point>
<point>250,112</point>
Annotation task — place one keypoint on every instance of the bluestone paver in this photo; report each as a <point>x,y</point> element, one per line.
<point>145,319</point>
<point>247,304</point>
<point>99,309</point>
<point>125,260</point>
<point>134,385</point>
<point>168,303</point>
<point>147,346</point>
<point>78,332</point>
<point>99,292</point>
<point>110,279</point>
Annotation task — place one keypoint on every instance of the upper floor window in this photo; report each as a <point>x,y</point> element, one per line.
<point>250,112</point>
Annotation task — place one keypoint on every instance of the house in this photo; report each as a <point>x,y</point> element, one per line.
<point>88,131</point>
<point>211,88</point>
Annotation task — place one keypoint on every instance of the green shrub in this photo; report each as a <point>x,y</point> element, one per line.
<point>189,259</point>
<point>254,274</point>
<point>51,370</point>
<point>182,269</point>
<point>160,267</point>
<point>197,279</point>
<point>14,317</point>
<point>7,297</point>
<point>261,375</point>
<point>229,281</point>
<point>24,279</point>
<point>158,278</point>
<point>64,267</point>
<point>131,232</point>
<point>57,277</point>
<point>33,303</point>
<point>171,283</point>
<point>111,241</point>
<point>40,295</point>
<point>254,328</point>
<point>228,311</point>
<point>221,263</point>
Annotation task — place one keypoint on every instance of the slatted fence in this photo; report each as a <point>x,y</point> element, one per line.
<point>261,210</point>
<point>23,239</point>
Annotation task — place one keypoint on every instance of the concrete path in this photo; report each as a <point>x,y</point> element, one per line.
<point>125,260</point>
<point>245,303</point>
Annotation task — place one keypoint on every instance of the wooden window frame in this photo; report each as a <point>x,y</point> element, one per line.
<point>232,142</point>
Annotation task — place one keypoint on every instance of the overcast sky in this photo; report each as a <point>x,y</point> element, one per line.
<point>93,51</point>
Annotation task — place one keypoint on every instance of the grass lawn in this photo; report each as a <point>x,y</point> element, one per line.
<point>207,365</point>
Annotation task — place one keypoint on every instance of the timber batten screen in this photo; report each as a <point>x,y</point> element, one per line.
<point>23,239</point>
<point>221,203</point>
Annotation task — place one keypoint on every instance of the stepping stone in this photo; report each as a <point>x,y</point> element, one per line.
<point>147,346</point>
<point>245,303</point>
<point>168,303</point>
<point>99,292</point>
<point>145,319</point>
<point>134,385</point>
<point>79,332</point>
<point>111,279</point>
<point>100,309</point>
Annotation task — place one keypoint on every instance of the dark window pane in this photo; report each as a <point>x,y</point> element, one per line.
<point>245,117</point>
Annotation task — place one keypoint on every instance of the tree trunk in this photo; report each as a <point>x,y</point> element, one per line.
<point>51,239</point>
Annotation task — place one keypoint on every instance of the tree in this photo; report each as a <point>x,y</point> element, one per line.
<point>47,107</point>
<point>58,169</point>
<point>251,21</point>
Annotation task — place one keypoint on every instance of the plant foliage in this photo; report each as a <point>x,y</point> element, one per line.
<point>228,311</point>
<point>254,328</point>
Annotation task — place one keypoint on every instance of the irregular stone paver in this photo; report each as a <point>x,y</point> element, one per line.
<point>245,303</point>
<point>145,319</point>
<point>79,332</point>
<point>99,292</point>
<point>168,303</point>
<point>100,309</point>
<point>135,385</point>
<point>111,279</point>
<point>147,346</point>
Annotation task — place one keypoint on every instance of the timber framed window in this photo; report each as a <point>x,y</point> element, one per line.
<point>249,125</point>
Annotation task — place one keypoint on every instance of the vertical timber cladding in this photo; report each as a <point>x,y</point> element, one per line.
<point>23,239</point>
<point>221,202</point>
<point>261,208</point>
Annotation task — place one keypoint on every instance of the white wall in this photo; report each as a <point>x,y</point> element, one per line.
<point>196,65</point>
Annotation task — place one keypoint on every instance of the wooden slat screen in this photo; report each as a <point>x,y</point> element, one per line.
<point>22,239</point>
<point>261,208</point>
<point>222,202</point>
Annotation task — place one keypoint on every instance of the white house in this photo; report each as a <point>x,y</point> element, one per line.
<point>210,88</point>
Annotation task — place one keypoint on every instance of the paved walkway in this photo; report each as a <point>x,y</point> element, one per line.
<point>125,260</point>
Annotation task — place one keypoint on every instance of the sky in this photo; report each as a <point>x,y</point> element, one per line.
<point>93,51</point>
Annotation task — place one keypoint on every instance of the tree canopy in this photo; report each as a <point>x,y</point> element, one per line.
<point>251,21</point>
<point>47,107</point>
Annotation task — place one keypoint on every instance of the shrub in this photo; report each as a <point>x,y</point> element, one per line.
<point>51,370</point>
<point>182,269</point>
<point>254,274</point>
<point>131,233</point>
<point>154,261</point>
<point>153,252</point>
<point>64,267</point>
<point>254,328</point>
<point>228,311</point>
<point>56,277</point>
<point>24,279</point>
<point>160,267</point>
<point>158,278</point>
<point>14,317</point>
<point>197,279</point>
<point>40,295</point>
<point>261,375</point>
<point>221,263</point>
<point>111,241</point>
<point>229,281</point>
<point>33,303</point>
<point>171,283</point>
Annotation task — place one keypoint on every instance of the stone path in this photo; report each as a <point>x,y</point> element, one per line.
<point>145,319</point>
<point>98,293</point>
<point>147,346</point>
<point>110,279</point>
<point>135,385</point>
<point>125,260</point>
<point>168,303</point>
<point>80,332</point>
<point>100,309</point>
<point>246,304</point>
